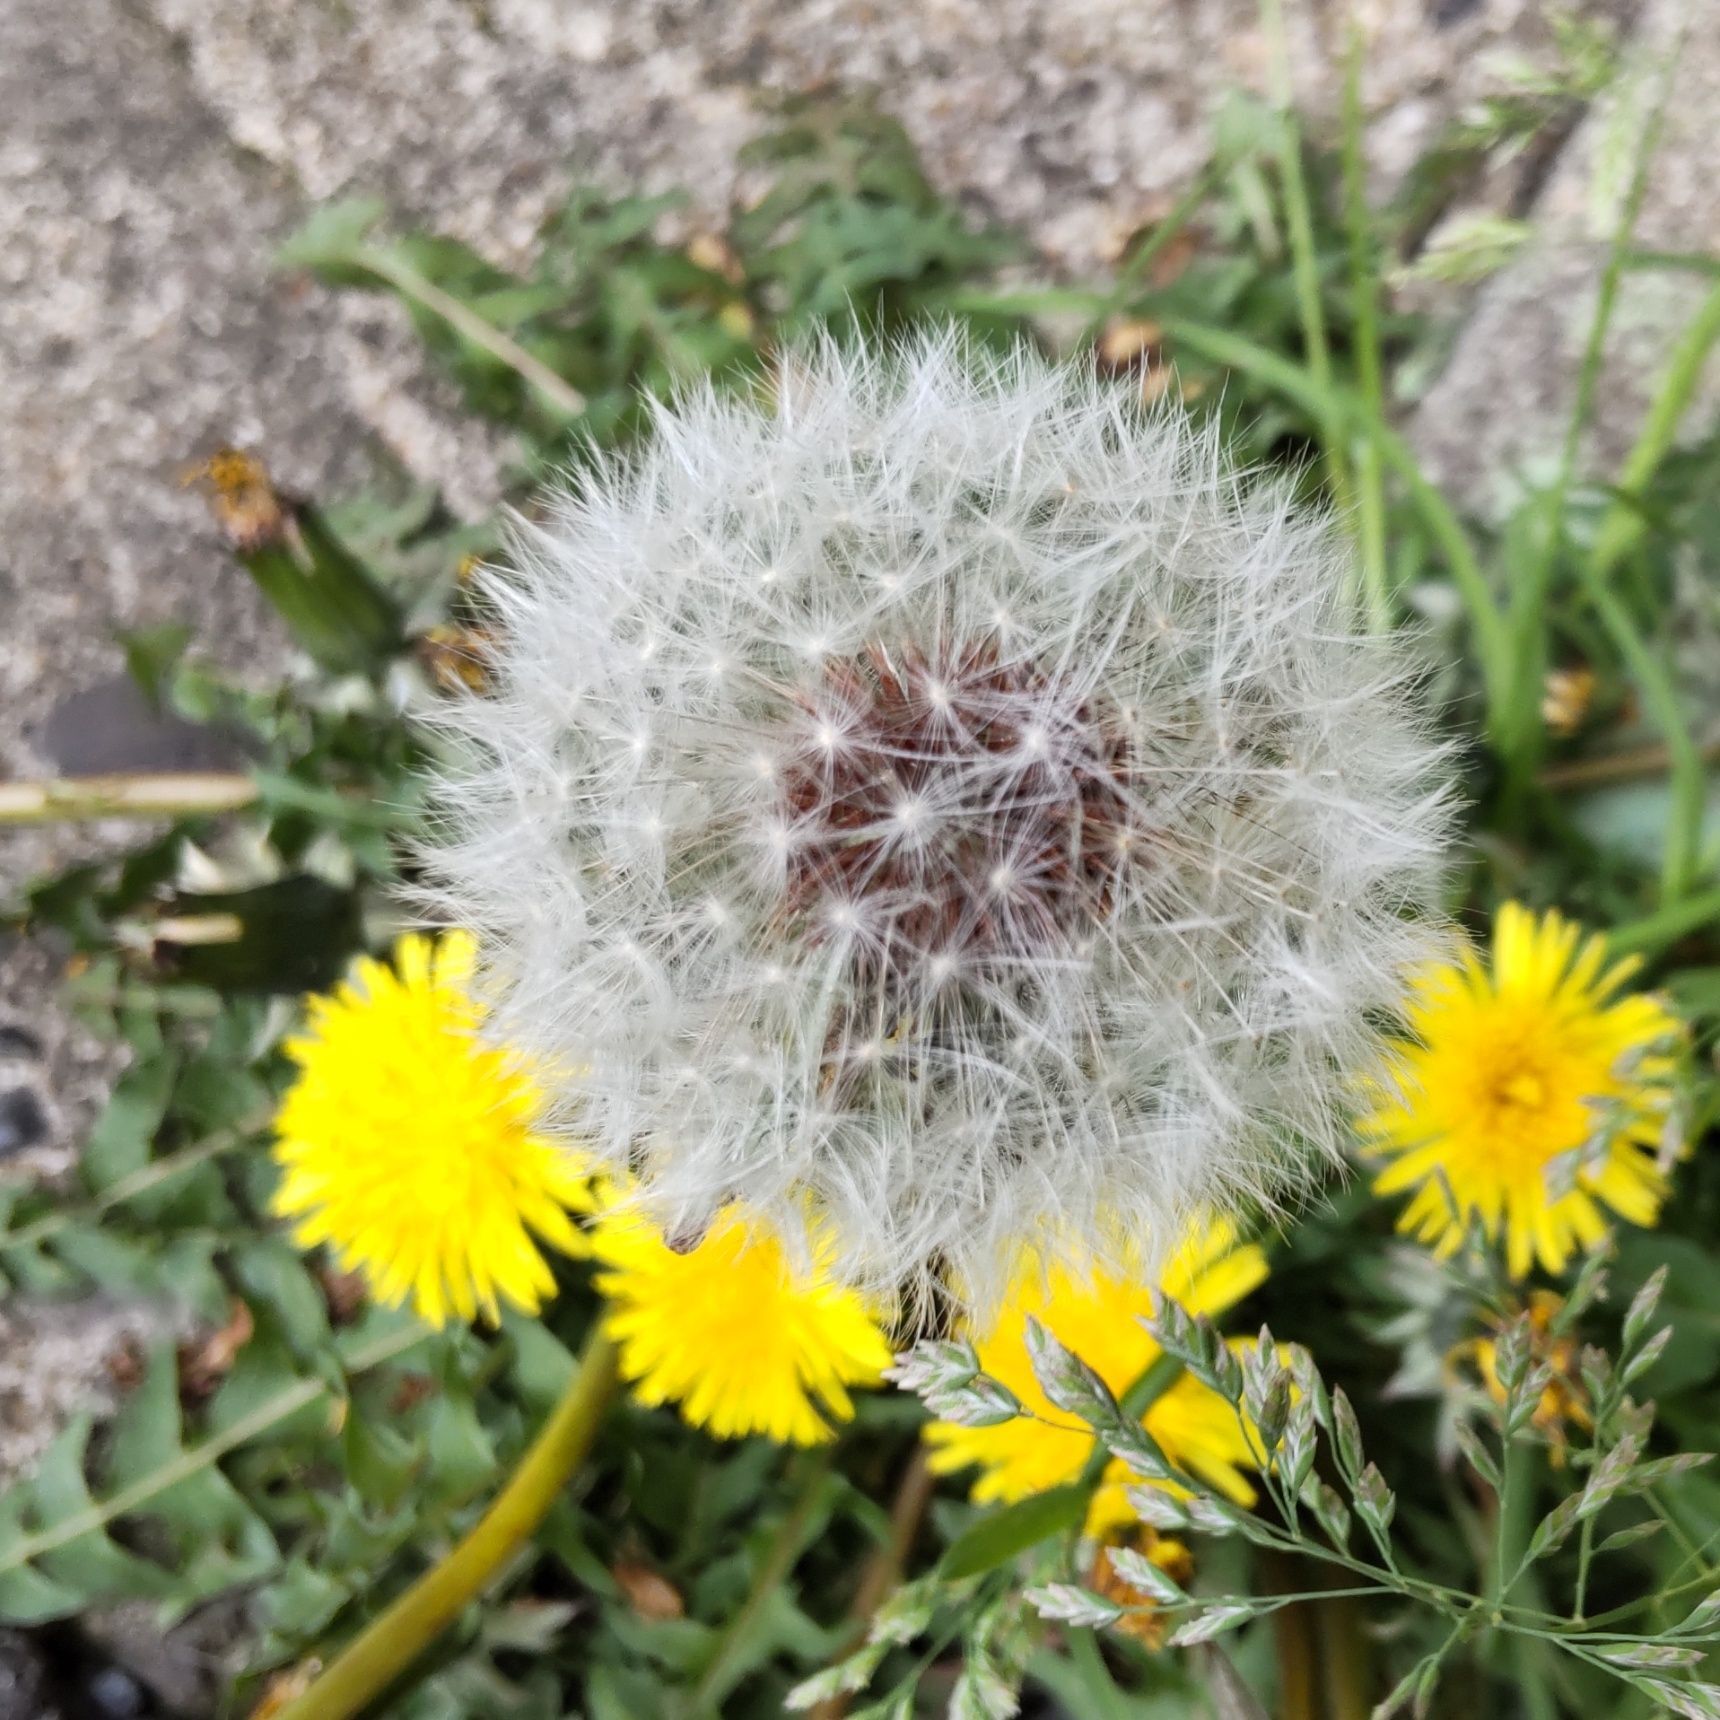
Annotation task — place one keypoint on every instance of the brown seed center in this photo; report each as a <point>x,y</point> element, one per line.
<point>954,806</point>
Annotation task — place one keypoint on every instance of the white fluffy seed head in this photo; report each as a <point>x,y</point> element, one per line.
<point>953,795</point>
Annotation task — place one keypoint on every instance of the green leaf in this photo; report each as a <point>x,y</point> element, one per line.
<point>332,238</point>
<point>542,1363</point>
<point>996,1539</point>
<point>148,1430</point>
<point>123,1138</point>
<point>461,1452</point>
<point>276,1282</point>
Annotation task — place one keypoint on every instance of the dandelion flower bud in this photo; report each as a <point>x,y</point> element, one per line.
<point>952,794</point>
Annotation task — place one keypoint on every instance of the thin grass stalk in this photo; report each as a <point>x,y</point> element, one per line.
<point>1299,216</point>
<point>1624,523</point>
<point>161,794</point>
<point>555,389</point>
<point>1486,620</point>
<point>1688,774</point>
<point>1364,292</point>
<point>779,1560</point>
<point>1522,737</point>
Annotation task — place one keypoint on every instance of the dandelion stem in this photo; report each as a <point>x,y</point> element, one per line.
<point>171,794</point>
<point>392,1642</point>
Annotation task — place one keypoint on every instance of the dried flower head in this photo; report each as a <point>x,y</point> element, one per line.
<point>953,793</point>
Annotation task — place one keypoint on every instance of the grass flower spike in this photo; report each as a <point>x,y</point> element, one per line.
<point>1531,1097</point>
<point>952,795</point>
<point>1098,1315</point>
<point>731,1331</point>
<point>411,1147</point>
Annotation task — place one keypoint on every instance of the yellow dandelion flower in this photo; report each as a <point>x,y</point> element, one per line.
<point>1531,1097</point>
<point>1098,1315</point>
<point>731,1332</point>
<point>409,1144</point>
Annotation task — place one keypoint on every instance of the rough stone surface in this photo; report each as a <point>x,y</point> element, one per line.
<point>1070,122</point>
<point>24,1693</point>
<point>1501,405</point>
<point>55,1358</point>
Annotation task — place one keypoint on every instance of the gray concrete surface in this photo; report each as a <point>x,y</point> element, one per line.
<point>1500,406</point>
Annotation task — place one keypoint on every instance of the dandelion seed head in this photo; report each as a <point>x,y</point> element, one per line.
<point>1065,830</point>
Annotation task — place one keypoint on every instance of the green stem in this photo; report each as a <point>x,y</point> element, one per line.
<point>141,1181</point>
<point>1623,524</point>
<point>1687,773</point>
<point>779,1560</point>
<point>1176,218</point>
<point>1515,1522</point>
<point>1585,1557</point>
<point>1655,931</point>
<point>459,316</point>
<point>1238,353</point>
<point>883,1570</point>
<point>1524,735</point>
<point>1088,1658</point>
<point>1296,204</point>
<point>1517,1501</point>
<point>267,1416</point>
<point>1364,293</point>
<point>369,1664</point>
<point>1161,1374</point>
<point>1304,266</point>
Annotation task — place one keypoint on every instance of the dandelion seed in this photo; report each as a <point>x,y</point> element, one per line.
<point>1086,803</point>
<point>1099,1315</point>
<point>1531,1098</point>
<point>410,1145</point>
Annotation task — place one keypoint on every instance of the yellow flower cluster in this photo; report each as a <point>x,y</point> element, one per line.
<point>1530,1097</point>
<point>408,1144</point>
